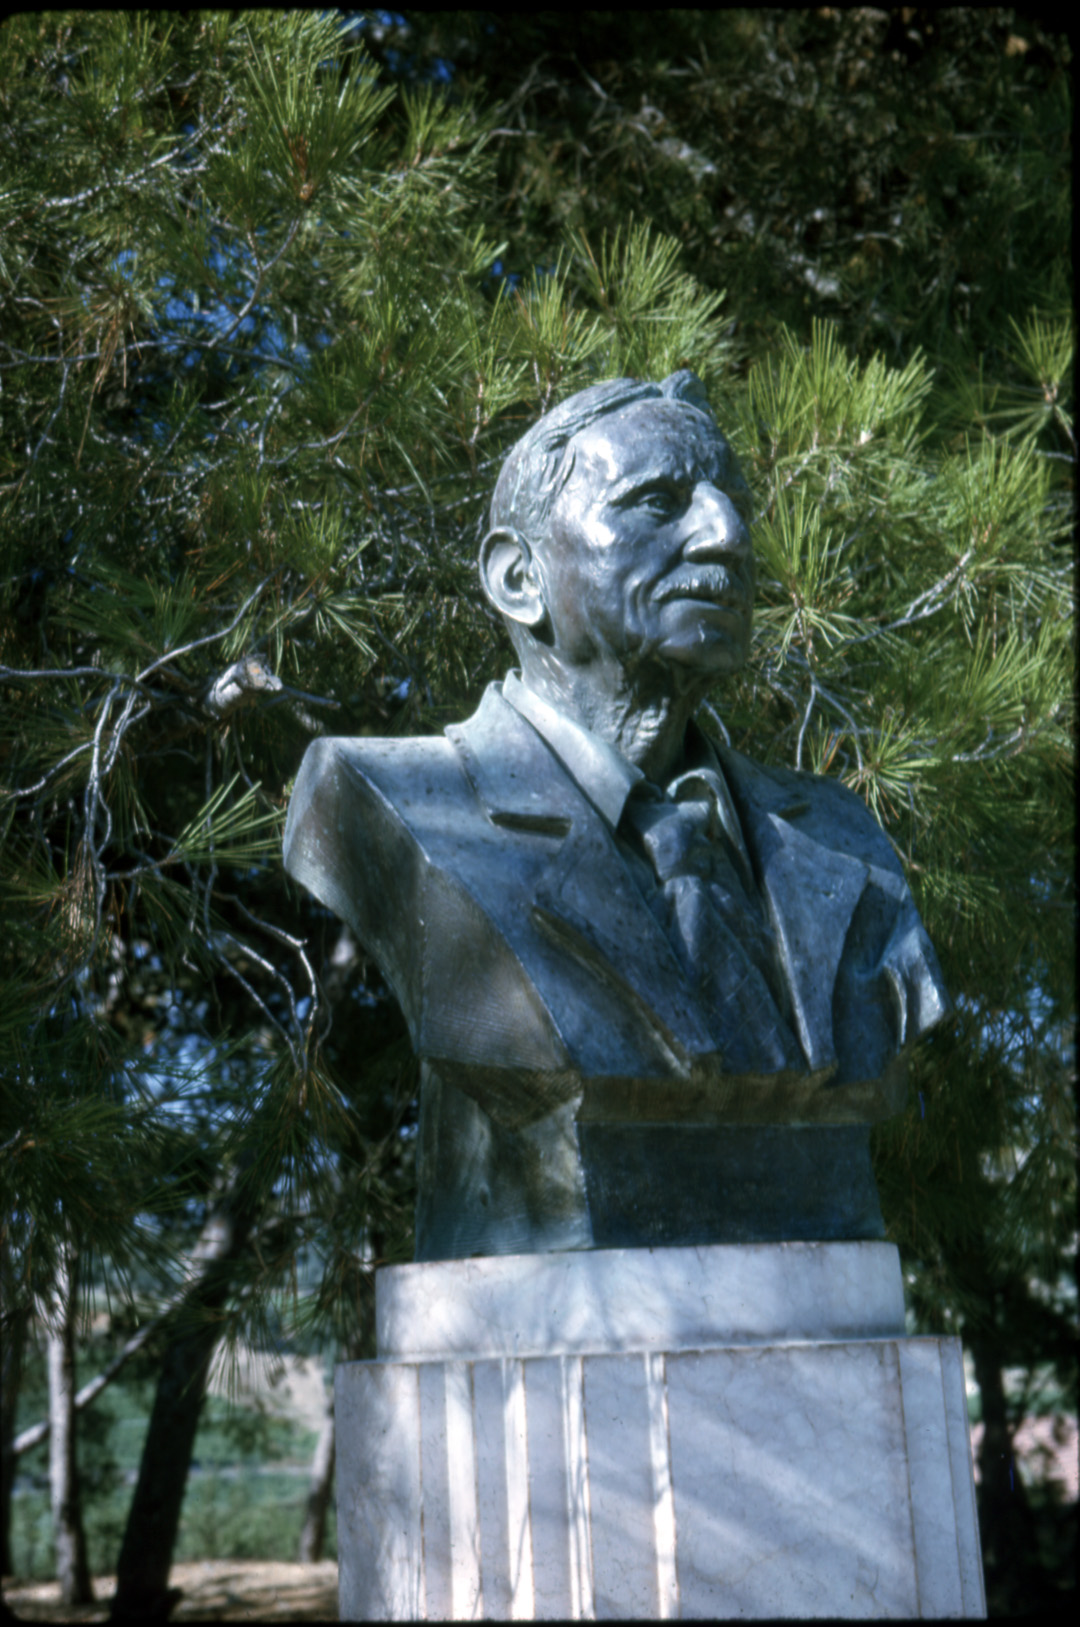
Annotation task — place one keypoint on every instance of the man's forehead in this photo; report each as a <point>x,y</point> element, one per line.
<point>651,437</point>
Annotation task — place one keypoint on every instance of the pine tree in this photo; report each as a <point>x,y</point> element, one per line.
<point>258,373</point>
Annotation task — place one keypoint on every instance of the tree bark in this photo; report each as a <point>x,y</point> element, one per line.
<point>320,1490</point>
<point>69,1539</point>
<point>1006,1524</point>
<point>14,1325</point>
<point>142,1591</point>
<point>27,1439</point>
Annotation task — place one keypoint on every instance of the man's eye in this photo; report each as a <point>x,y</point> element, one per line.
<point>658,500</point>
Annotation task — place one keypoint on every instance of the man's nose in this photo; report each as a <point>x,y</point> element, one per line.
<point>715,528</point>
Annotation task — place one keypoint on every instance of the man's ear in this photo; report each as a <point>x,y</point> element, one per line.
<point>510,577</point>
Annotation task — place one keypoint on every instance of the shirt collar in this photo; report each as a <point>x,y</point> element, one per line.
<point>607,777</point>
<point>604,774</point>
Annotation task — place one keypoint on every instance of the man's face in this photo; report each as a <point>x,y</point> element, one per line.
<point>647,557</point>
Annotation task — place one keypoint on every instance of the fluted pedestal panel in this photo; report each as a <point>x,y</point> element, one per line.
<point>700,1465</point>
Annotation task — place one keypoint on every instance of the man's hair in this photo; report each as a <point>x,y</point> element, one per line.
<point>538,467</point>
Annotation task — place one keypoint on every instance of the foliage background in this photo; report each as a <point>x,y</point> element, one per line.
<point>276,291</point>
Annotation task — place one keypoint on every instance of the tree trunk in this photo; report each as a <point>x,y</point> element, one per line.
<point>1006,1524</point>
<point>142,1592</point>
<point>320,1489</point>
<point>27,1439</point>
<point>14,1325</point>
<point>72,1570</point>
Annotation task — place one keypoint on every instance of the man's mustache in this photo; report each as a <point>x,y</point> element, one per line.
<point>716,584</point>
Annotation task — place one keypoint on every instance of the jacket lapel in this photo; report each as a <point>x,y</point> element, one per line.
<point>588,895</point>
<point>583,896</point>
<point>517,779</point>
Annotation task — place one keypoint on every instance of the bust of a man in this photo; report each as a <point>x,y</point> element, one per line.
<point>659,992</point>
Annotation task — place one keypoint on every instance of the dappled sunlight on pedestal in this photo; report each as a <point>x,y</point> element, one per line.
<point>730,1474</point>
<point>643,1299</point>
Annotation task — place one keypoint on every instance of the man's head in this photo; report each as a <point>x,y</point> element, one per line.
<point>619,534</point>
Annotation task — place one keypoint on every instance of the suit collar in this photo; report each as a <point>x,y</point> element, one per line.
<point>811,890</point>
<point>602,772</point>
<point>607,778</point>
<point>509,767</point>
<point>582,895</point>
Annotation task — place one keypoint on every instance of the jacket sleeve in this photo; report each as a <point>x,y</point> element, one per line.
<point>907,959</point>
<point>890,991</point>
<point>347,845</point>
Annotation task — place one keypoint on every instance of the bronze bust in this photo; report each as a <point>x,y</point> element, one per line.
<point>659,992</point>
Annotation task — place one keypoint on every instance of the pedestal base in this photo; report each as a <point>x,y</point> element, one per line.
<point>668,1452</point>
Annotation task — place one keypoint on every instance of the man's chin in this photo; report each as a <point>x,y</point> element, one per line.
<point>681,669</point>
<point>704,658</point>
<point>712,640</point>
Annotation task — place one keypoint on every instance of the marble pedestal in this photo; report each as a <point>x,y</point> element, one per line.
<point>712,1432</point>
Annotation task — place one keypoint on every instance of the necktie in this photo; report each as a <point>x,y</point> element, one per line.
<point>710,909</point>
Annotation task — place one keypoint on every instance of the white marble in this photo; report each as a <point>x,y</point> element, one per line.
<point>793,1480</point>
<point>667,1581</point>
<point>969,1553</point>
<point>790,1483</point>
<point>466,1590</point>
<point>619,1466</point>
<point>578,1501</point>
<point>548,1489</point>
<point>381,1572</point>
<point>519,1523</point>
<point>932,1501</point>
<point>638,1299</point>
<point>435,1491</point>
<point>492,1499</point>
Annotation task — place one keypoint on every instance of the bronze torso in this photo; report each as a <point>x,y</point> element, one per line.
<point>574,1094</point>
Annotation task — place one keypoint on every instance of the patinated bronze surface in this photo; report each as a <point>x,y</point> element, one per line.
<point>659,991</point>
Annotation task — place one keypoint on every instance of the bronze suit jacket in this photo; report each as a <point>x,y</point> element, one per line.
<point>538,986</point>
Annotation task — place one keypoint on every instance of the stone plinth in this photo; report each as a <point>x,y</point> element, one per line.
<point>714,1432</point>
